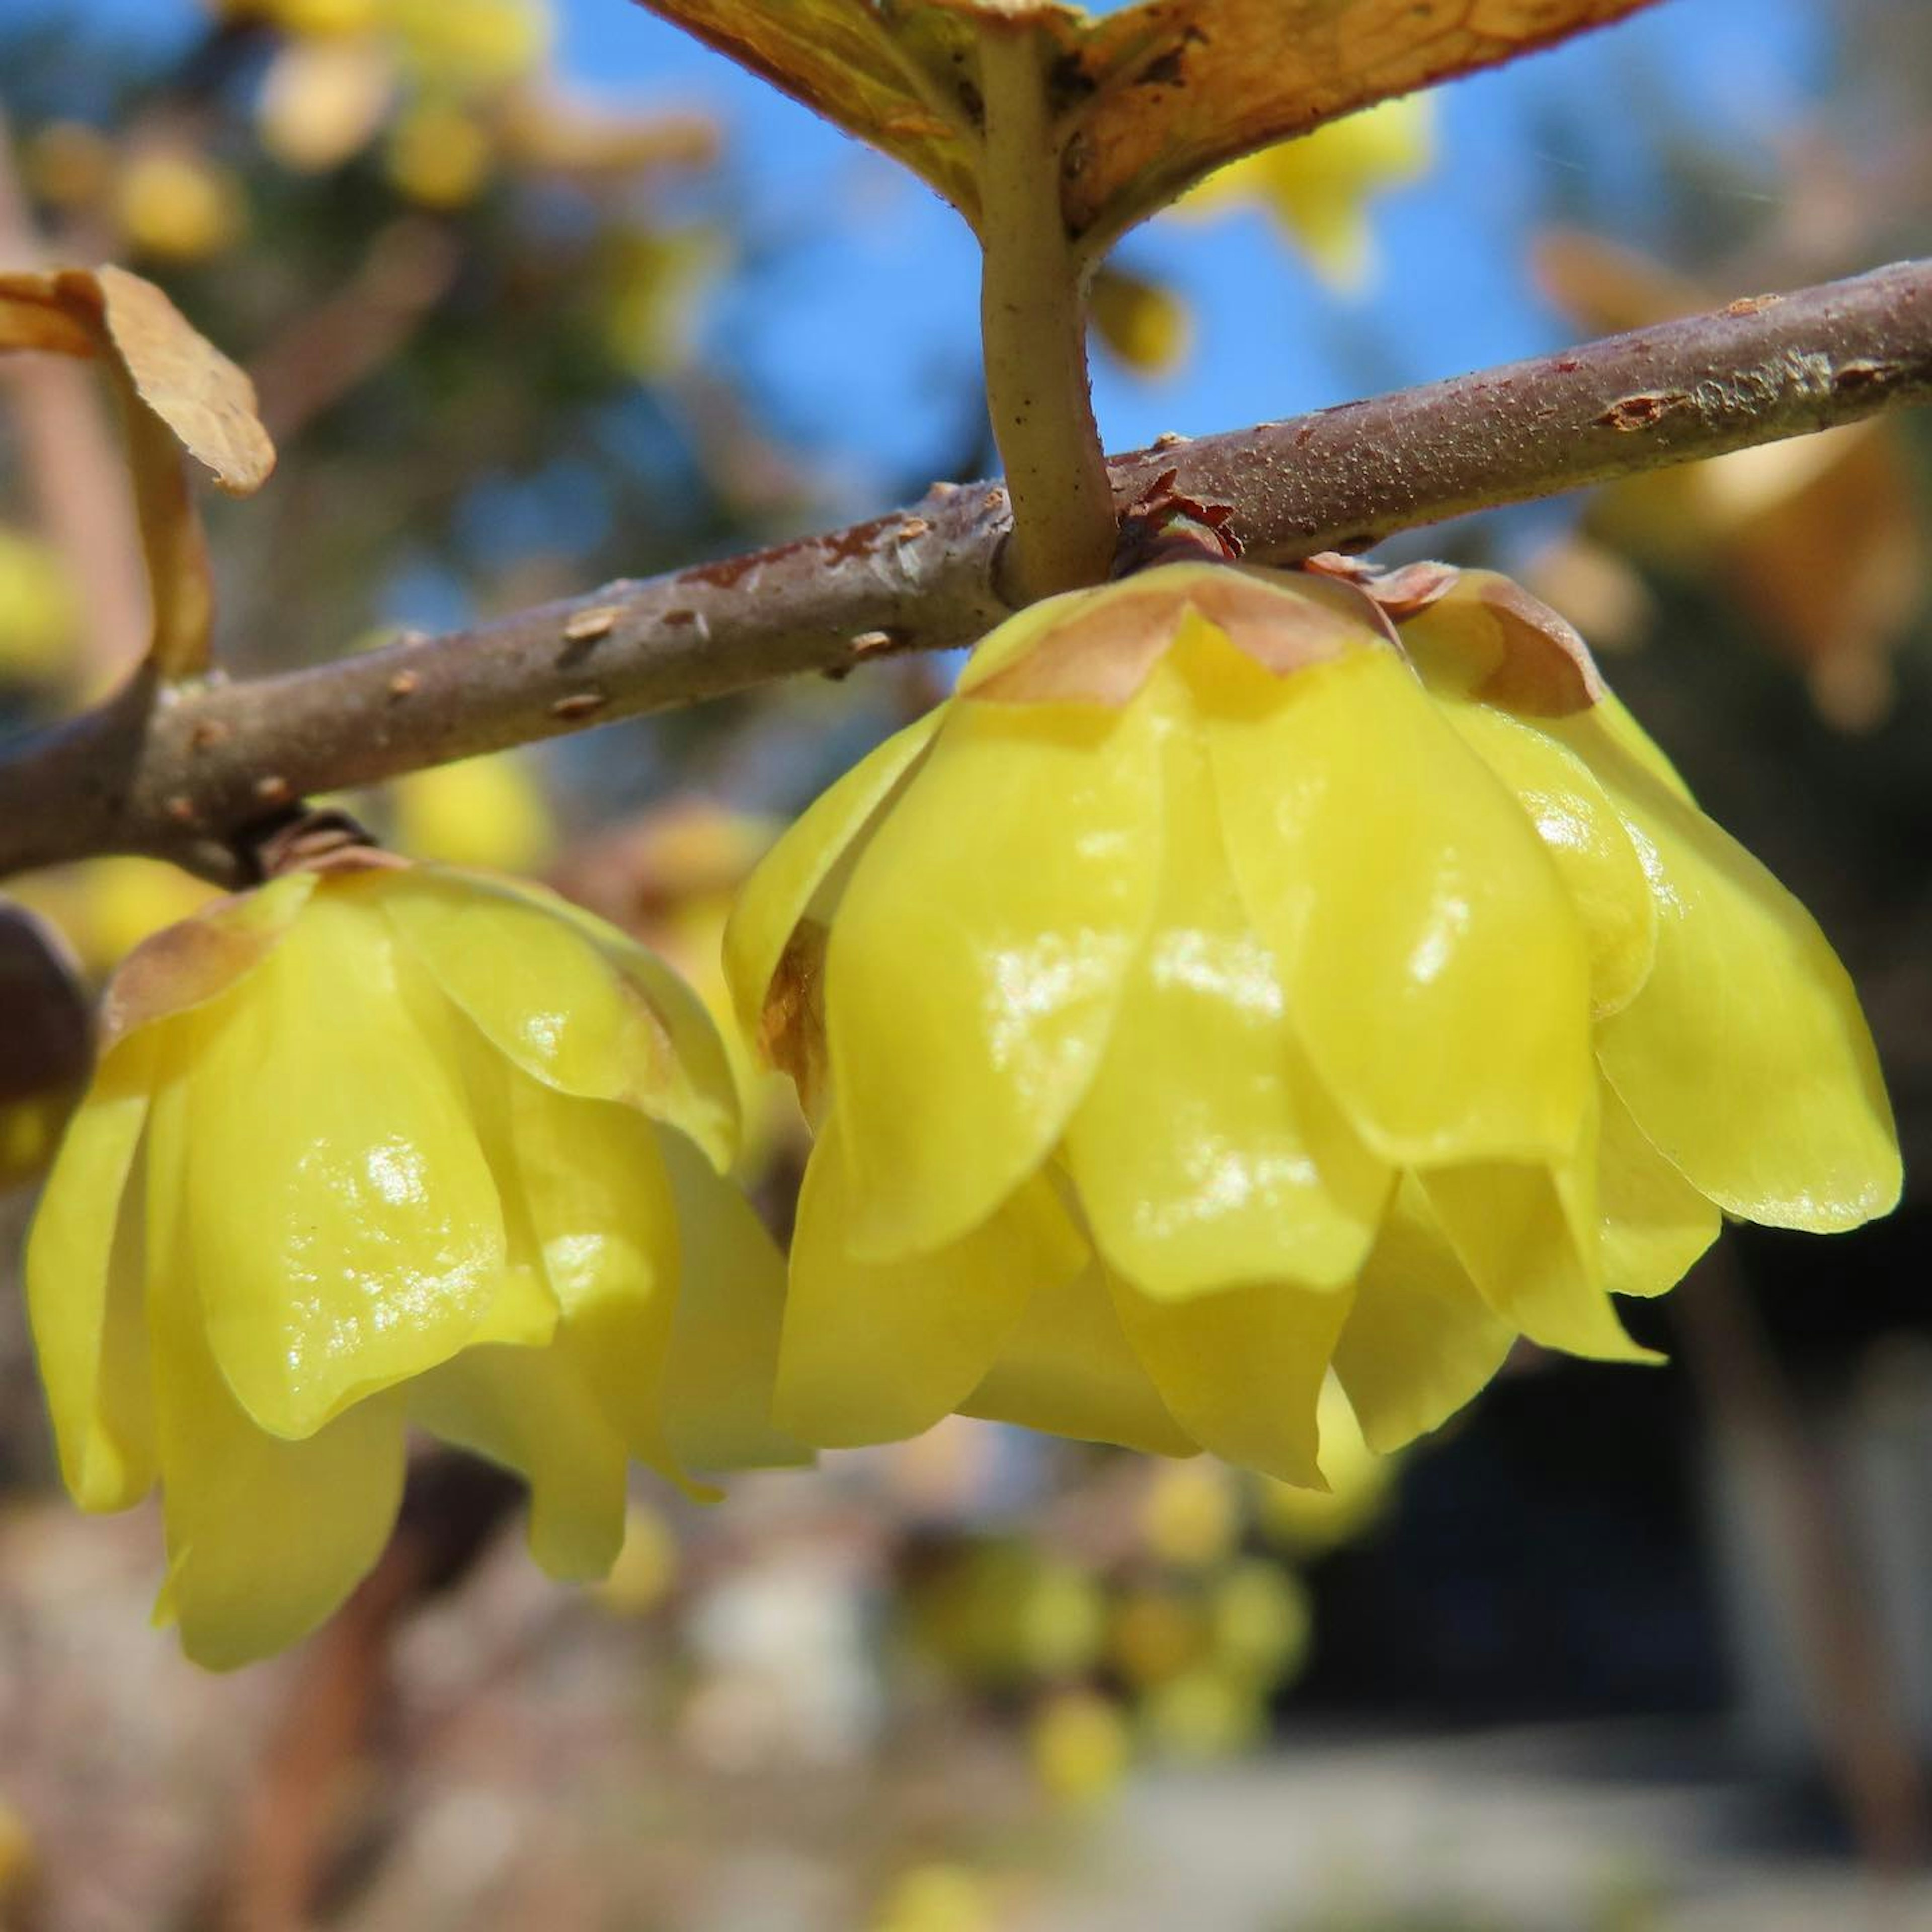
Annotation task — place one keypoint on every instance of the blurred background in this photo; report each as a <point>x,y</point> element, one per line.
<point>537,293</point>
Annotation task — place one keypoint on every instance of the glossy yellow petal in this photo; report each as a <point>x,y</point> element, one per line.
<point>702,1099</point>
<point>530,1411</point>
<point>1529,1233</point>
<point>200,957</point>
<point>340,1222</point>
<point>84,1289</point>
<point>723,1350</point>
<point>1583,835</point>
<point>577,1012</point>
<point>777,894</point>
<point>977,958</point>
<point>1206,1153</point>
<point>1067,1369</point>
<point>1435,969</point>
<point>874,1351</point>
<point>1745,1059</point>
<point>1655,1224</point>
<point>604,1220</point>
<point>1241,1370</point>
<point>1420,1339</point>
<point>265,1537</point>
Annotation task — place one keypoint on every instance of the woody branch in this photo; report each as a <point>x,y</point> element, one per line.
<point>177,775</point>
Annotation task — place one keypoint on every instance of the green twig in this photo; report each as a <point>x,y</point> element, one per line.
<point>1033,320</point>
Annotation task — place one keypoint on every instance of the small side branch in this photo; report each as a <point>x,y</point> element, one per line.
<point>1033,323</point>
<point>175,775</point>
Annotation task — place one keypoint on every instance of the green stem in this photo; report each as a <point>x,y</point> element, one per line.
<point>1033,322</point>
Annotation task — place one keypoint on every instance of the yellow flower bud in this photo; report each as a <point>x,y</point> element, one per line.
<point>1217,989</point>
<point>377,1146</point>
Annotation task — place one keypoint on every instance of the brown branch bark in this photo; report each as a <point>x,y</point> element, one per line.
<point>177,777</point>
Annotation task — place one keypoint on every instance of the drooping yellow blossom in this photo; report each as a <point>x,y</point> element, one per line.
<point>1216,990</point>
<point>377,1146</point>
<point>1319,186</point>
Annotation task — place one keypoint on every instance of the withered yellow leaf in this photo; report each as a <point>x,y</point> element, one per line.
<point>176,370</point>
<point>1146,101</point>
<point>180,393</point>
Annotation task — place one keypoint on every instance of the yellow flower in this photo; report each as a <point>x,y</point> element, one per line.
<point>380,1145</point>
<point>1319,186</point>
<point>1216,989</point>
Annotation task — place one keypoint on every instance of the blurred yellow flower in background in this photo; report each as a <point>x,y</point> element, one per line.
<point>1216,990</point>
<point>40,610</point>
<point>381,1145</point>
<point>1319,186</point>
<point>489,812</point>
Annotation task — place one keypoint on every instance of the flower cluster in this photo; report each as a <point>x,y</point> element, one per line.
<point>1247,985</point>
<point>1223,987</point>
<point>381,1145</point>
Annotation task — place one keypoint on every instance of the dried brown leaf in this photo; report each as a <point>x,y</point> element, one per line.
<point>181,376</point>
<point>1178,88</point>
<point>1148,99</point>
<point>178,393</point>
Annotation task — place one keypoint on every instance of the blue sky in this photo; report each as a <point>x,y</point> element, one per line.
<point>859,339</point>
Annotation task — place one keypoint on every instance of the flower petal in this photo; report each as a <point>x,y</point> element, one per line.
<point>875,1351</point>
<point>1528,1234</point>
<point>1420,1340</point>
<point>1241,1370</point>
<point>977,960</point>
<point>1655,1224</point>
<point>601,1211</point>
<point>200,957</point>
<point>1206,1153</point>
<point>1067,1369</point>
<point>338,1216</point>
<point>775,897</point>
<point>265,1537</point>
<point>85,1291</point>
<point>531,1412</point>
<point>1584,837</point>
<point>1435,970</point>
<point>1745,1059</point>
<point>723,1350</point>
<point>564,1000</point>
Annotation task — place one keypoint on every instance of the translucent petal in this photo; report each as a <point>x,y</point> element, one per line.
<point>977,957</point>
<point>1529,1233</point>
<point>1435,969</point>
<point>1745,1059</point>
<point>724,1342</point>
<point>1655,1224</point>
<point>560,1004</point>
<point>530,1411</point>
<point>200,957</point>
<point>775,898</point>
<point>703,1101</point>
<point>1241,1370</point>
<point>605,1221</point>
<point>874,1351</point>
<point>1206,1153</point>
<point>84,1289</point>
<point>1420,1340</point>
<point>1582,834</point>
<point>342,1224</point>
<point>1067,1369</point>
<point>265,1537</point>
